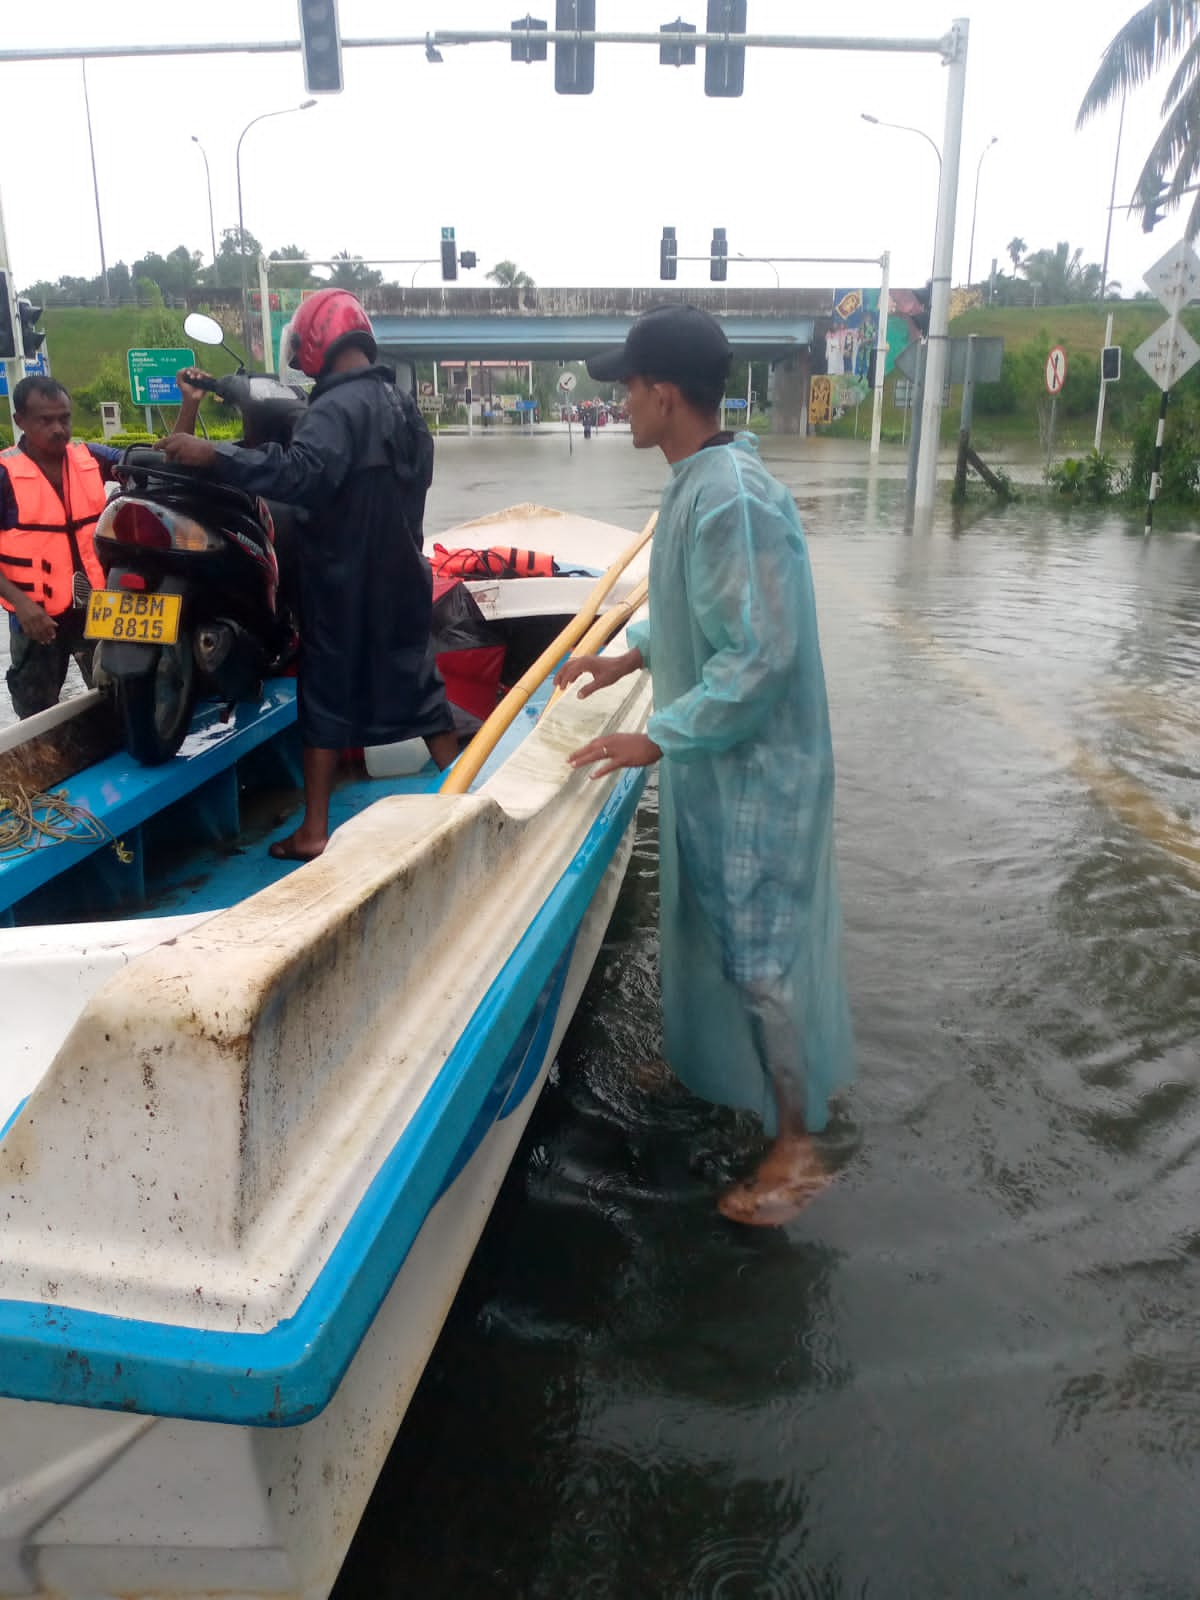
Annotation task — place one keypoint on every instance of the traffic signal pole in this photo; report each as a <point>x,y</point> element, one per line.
<point>936,359</point>
<point>950,47</point>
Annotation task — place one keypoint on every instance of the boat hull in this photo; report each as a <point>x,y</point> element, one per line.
<point>95,1504</point>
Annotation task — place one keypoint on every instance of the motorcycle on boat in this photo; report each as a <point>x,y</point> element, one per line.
<point>191,605</point>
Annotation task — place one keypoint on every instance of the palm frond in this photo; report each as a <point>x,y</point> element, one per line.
<point>1151,37</point>
<point>1183,79</point>
<point>1167,150</point>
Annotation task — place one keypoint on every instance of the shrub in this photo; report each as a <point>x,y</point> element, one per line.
<point>1180,462</point>
<point>1091,477</point>
<point>110,383</point>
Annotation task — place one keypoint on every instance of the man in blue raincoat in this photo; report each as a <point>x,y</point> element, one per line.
<point>754,994</point>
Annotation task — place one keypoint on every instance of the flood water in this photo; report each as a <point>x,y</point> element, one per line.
<point>973,1367</point>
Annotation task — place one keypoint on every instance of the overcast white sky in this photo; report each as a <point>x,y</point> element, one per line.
<point>576,190</point>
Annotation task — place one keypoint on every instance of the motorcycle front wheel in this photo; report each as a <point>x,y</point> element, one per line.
<point>156,706</point>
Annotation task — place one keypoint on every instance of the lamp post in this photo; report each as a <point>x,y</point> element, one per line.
<point>304,105</point>
<point>212,232</point>
<point>765,259</point>
<point>975,208</point>
<point>903,127</point>
<point>1112,201</point>
<point>87,106</point>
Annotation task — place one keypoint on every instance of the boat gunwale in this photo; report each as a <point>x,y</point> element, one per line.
<point>286,1375</point>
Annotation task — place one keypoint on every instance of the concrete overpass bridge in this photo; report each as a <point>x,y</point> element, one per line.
<point>571,324</point>
<point>563,324</point>
<point>566,324</point>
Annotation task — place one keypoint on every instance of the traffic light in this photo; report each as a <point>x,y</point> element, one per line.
<point>920,317</point>
<point>1151,201</point>
<point>449,256</point>
<point>677,55</point>
<point>1110,363</point>
<point>468,259</point>
<point>321,46</point>
<point>668,267</point>
<point>718,264</point>
<point>32,337</point>
<point>575,64</point>
<point>8,337</point>
<point>529,49</point>
<point>725,65</point>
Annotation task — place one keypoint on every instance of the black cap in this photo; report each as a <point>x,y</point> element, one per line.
<point>668,344</point>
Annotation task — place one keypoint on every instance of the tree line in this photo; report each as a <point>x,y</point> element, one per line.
<point>156,279</point>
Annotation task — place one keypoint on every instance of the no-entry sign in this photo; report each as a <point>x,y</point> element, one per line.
<point>1056,370</point>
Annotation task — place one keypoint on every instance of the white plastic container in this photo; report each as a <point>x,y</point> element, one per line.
<point>399,760</point>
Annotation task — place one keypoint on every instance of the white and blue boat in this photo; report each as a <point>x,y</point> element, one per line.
<point>255,1117</point>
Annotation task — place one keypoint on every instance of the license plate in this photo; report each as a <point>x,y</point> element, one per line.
<point>140,618</point>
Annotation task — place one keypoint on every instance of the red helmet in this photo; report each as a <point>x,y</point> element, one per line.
<point>320,326</point>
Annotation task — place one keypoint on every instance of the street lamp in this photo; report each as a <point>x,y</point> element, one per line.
<point>765,259</point>
<point>975,209</point>
<point>87,105</point>
<point>212,232</point>
<point>304,105</point>
<point>903,127</point>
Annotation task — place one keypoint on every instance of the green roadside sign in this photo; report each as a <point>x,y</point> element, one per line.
<point>152,376</point>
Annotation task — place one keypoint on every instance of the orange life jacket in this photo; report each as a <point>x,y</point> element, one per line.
<point>52,541</point>
<point>500,561</point>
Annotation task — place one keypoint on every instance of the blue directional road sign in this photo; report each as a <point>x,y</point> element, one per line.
<point>36,368</point>
<point>735,405</point>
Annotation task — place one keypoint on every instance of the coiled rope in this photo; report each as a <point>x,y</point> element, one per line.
<point>30,821</point>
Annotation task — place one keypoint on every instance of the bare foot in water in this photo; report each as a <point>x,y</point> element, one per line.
<point>790,1175</point>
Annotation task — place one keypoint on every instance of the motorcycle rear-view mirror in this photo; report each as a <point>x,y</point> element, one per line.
<point>203,329</point>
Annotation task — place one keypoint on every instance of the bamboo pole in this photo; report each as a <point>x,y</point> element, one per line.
<point>605,625</point>
<point>466,769</point>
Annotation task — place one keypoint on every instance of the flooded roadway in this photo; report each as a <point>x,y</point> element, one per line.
<point>974,1367</point>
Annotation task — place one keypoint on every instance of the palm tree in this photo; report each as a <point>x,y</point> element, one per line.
<point>1062,275</point>
<point>1016,248</point>
<point>350,273</point>
<point>1160,32</point>
<point>508,276</point>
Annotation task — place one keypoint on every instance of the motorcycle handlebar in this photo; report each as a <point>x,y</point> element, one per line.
<point>142,458</point>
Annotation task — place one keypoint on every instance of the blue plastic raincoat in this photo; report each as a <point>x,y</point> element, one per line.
<point>750,918</point>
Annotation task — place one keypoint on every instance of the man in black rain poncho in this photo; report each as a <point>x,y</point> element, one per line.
<point>360,463</point>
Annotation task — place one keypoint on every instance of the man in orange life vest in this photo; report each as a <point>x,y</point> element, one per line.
<point>51,493</point>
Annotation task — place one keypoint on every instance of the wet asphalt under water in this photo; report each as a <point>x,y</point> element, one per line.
<point>973,1368</point>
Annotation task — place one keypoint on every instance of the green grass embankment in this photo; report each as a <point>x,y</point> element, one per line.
<point>1009,415</point>
<point>83,342</point>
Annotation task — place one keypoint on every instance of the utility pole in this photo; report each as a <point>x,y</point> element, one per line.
<point>14,370</point>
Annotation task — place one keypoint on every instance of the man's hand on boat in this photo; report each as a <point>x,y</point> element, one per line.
<point>614,751</point>
<point>604,670</point>
<point>187,450</point>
